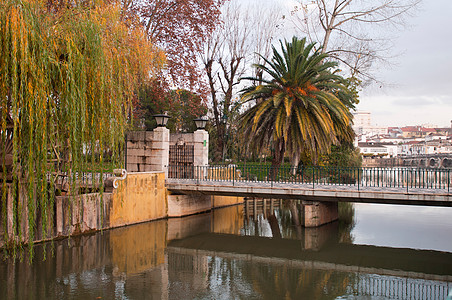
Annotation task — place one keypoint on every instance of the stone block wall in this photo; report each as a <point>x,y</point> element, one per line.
<point>138,153</point>
<point>147,151</point>
<point>82,213</point>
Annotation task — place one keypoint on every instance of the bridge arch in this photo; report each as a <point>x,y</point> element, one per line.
<point>431,162</point>
<point>422,163</point>
<point>446,163</point>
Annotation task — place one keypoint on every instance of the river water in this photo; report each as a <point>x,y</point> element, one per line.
<point>373,252</point>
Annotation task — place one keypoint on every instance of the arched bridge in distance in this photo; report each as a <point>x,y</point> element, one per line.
<point>399,185</point>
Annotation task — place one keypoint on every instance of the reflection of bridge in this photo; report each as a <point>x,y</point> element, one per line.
<point>378,271</point>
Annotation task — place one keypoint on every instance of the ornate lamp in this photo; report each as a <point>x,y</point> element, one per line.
<point>161,119</point>
<point>200,123</point>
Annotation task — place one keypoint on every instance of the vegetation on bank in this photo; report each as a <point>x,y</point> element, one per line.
<point>68,73</point>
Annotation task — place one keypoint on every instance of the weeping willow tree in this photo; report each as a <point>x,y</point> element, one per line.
<point>68,70</point>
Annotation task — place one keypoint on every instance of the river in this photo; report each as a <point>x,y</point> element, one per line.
<point>373,252</point>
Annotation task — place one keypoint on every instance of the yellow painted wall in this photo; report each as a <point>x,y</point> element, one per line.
<point>140,197</point>
<point>220,201</point>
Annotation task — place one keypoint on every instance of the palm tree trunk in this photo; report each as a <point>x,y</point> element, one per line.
<point>278,157</point>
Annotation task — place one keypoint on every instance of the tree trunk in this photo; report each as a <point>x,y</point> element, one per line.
<point>278,157</point>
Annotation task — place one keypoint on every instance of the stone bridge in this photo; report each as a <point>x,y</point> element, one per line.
<point>440,161</point>
<point>430,161</point>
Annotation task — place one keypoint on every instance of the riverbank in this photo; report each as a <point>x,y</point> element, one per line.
<point>130,199</point>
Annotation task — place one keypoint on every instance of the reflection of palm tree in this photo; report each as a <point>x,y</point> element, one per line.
<point>276,232</point>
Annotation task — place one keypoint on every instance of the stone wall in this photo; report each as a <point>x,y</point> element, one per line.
<point>83,213</point>
<point>183,205</point>
<point>147,151</point>
<point>139,197</point>
<point>138,151</point>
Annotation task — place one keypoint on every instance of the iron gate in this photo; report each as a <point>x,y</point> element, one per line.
<point>181,160</point>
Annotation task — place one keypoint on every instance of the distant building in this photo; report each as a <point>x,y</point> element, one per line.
<point>416,140</point>
<point>373,149</point>
<point>361,119</point>
<point>416,131</point>
<point>362,124</point>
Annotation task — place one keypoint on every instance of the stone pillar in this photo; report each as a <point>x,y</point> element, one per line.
<point>201,147</point>
<point>317,213</point>
<point>160,150</point>
<point>138,152</point>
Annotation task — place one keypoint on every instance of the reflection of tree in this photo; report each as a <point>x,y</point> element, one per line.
<point>346,221</point>
<point>273,221</point>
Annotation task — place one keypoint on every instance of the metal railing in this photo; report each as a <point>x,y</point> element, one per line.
<point>397,177</point>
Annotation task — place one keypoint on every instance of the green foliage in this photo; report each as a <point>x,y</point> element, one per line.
<point>301,107</point>
<point>344,155</point>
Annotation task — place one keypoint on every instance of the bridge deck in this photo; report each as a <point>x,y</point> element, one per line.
<point>314,192</point>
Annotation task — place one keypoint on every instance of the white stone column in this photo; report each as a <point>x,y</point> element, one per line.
<point>160,150</point>
<point>201,152</point>
<point>201,147</point>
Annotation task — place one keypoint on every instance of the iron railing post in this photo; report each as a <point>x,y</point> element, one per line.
<point>272,172</point>
<point>407,181</point>
<point>358,177</point>
<point>313,177</point>
<point>233,175</point>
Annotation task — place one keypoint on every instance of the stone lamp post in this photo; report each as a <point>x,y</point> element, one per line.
<point>160,144</point>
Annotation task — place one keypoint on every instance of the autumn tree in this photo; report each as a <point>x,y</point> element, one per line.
<point>180,28</point>
<point>353,32</point>
<point>68,72</point>
<point>228,54</point>
<point>184,106</point>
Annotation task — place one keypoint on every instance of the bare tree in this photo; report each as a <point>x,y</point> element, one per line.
<point>354,32</point>
<point>228,55</point>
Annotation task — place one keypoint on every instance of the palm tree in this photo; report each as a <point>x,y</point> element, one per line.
<point>301,105</point>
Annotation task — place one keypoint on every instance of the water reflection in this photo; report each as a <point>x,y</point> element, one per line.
<point>414,227</point>
<point>231,253</point>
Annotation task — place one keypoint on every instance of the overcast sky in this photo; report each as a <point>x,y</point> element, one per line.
<point>422,75</point>
<point>418,86</point>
